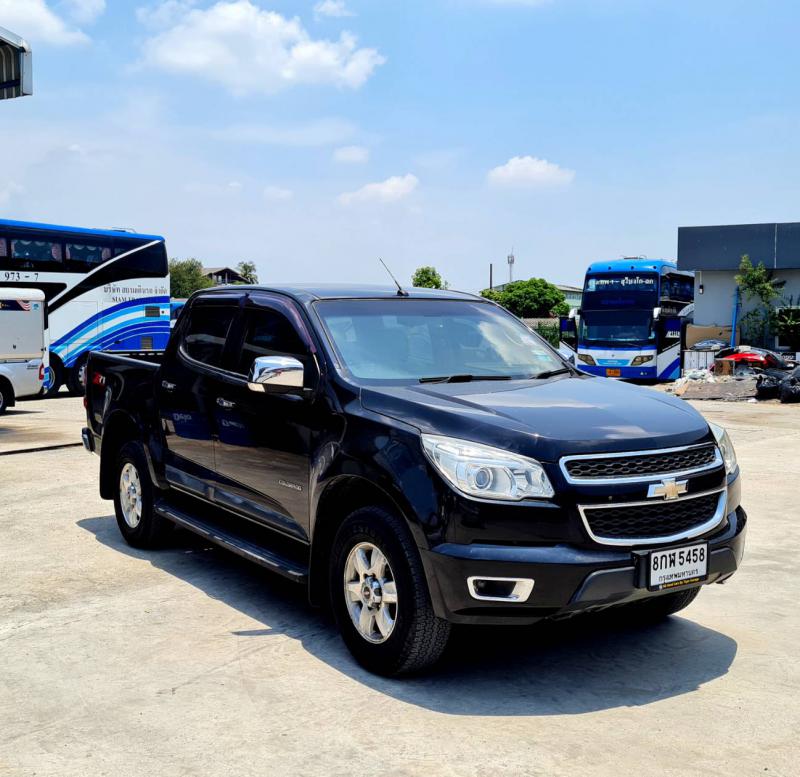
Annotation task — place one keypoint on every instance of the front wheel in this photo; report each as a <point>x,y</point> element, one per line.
<point>380,597</point>
<point>133,500</point>
<point>5,397</point>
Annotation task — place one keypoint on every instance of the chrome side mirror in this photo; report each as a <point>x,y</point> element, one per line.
<point>276,373</point>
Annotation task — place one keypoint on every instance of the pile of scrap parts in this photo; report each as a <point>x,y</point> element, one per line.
<point>772,384</point>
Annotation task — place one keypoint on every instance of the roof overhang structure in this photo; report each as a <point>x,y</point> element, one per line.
<point>16,66</point>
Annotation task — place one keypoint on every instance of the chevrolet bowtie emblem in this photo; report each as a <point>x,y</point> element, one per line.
<point>669,489</point>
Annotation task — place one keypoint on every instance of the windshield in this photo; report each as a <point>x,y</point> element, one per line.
<point>631,327</point>
<point>400,340</point>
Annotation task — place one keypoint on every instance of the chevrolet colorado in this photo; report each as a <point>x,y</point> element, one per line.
<point>416,459</point>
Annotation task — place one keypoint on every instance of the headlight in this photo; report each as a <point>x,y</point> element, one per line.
<point>639,360</point>
<point>587,359</point>
<point>725,447</point>
<point>485,472</point>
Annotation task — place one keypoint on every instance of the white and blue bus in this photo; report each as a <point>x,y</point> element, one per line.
<point>106,290</point>
<point>632,319</point>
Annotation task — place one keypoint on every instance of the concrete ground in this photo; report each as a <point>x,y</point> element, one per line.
<point>188,661</point>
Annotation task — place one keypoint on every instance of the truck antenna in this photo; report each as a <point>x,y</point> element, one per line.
<point>400,292</point>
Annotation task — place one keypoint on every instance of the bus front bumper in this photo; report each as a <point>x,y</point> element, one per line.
<point>644,372</point>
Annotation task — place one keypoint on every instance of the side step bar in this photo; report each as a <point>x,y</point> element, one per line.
<point>265,558</point>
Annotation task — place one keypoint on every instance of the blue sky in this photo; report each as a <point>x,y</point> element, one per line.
<point>312,137</point>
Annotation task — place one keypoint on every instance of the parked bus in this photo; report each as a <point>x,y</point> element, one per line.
<point>106,290</point>
<point>631,320</point>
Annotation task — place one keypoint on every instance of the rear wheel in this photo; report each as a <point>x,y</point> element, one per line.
<point>380,597</point>
<point>133,500</point>
<point>74,378</point>
<point>6,397</point>
<point>54,377</point>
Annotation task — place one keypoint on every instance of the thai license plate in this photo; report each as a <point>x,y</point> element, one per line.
<point>612,372</point>
<point>677,567</point>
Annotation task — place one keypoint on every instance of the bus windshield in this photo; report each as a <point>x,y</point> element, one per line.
<point>609,327</point>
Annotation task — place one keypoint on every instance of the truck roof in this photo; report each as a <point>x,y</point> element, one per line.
<point>308,292</point>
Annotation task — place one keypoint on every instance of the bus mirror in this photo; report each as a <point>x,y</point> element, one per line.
<point>574,313</point>
<point>656,313</point>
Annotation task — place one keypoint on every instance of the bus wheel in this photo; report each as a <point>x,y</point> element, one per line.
<point>74,382</point>
<point>54,379</point>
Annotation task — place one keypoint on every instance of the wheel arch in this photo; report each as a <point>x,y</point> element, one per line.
<point>119,429</point>
<point>339,498</point>
<point>8,391</point>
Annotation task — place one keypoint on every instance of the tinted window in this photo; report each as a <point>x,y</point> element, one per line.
<point>36,254</point>
<point>408,340</point>
<point>3,249</point>
<point>267,333</point>
<point>86,256</point>
<point>208,331</point>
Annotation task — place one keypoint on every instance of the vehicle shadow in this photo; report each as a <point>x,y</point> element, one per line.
<point>582,665</point>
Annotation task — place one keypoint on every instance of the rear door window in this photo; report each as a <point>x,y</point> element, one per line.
<point>207,333</point>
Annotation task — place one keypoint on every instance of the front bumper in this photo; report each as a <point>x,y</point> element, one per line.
<point>646,372</point>
<point>568,579</point>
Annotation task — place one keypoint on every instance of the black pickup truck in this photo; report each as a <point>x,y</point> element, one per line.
<point>416,459</point>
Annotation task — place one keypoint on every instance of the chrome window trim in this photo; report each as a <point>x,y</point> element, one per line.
<point>632,454</point>
<point>713,522</point>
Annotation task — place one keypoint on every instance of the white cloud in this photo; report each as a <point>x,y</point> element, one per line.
<point>277,194</point>
<point>529,171</point>
<point>334,8</point>
<point>164,14</point>
<point>85,11</point>
<point>250,50</point>
<point>351,155</point>
<point>36,21</point>
<point>8,190</point>
<point>391,190</point>
<point>322,132</point>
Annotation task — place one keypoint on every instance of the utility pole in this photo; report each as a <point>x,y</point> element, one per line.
<point>491,285</point>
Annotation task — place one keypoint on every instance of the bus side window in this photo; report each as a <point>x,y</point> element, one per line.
<point>36,254</point>
<point>3,250</point>
<point>83,257</point>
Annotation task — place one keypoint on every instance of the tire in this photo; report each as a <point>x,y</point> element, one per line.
<point>57,372</point>
<point>73,380</point>
<point>6,397</point>
<point>133,500</point>
<point>657,608</point>
<point>404,635</point>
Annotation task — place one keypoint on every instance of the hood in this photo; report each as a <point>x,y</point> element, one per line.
<point>546,419</point>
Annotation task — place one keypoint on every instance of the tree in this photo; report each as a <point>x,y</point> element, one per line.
<point>186,276</point>
<point>248,271</point>
<point>427,278</point>
<point>534,298</point>
<point>761,291</point>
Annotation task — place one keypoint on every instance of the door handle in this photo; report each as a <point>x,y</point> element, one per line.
<point>167,386</point>
<point>226,403</point>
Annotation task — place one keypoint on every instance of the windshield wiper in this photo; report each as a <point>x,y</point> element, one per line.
<point>550,373</point>
<point>463,378</point>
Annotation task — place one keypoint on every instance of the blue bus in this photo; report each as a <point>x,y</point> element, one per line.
<point>106,290</point>
<point>632,319</point>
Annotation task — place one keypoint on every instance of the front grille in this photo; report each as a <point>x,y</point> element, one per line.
<point>659,519</point>
<point>635,465</point>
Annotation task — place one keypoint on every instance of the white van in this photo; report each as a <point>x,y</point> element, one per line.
<point>23,348</point>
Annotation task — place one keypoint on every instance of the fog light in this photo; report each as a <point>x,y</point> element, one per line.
<point>500,589</point>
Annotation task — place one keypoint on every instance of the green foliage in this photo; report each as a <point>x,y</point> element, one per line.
<point>248,271</point>
<point>760,291</point>
<point>786,324</point>
<point>534,298</point>
<point>550,332</point>
<point>186,276</point>
<point>427,278</point>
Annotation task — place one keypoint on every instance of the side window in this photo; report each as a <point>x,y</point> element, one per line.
<point>267,333</point>
<point>36,254</point>
<point>207,332</point>
<point>86,256</point>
